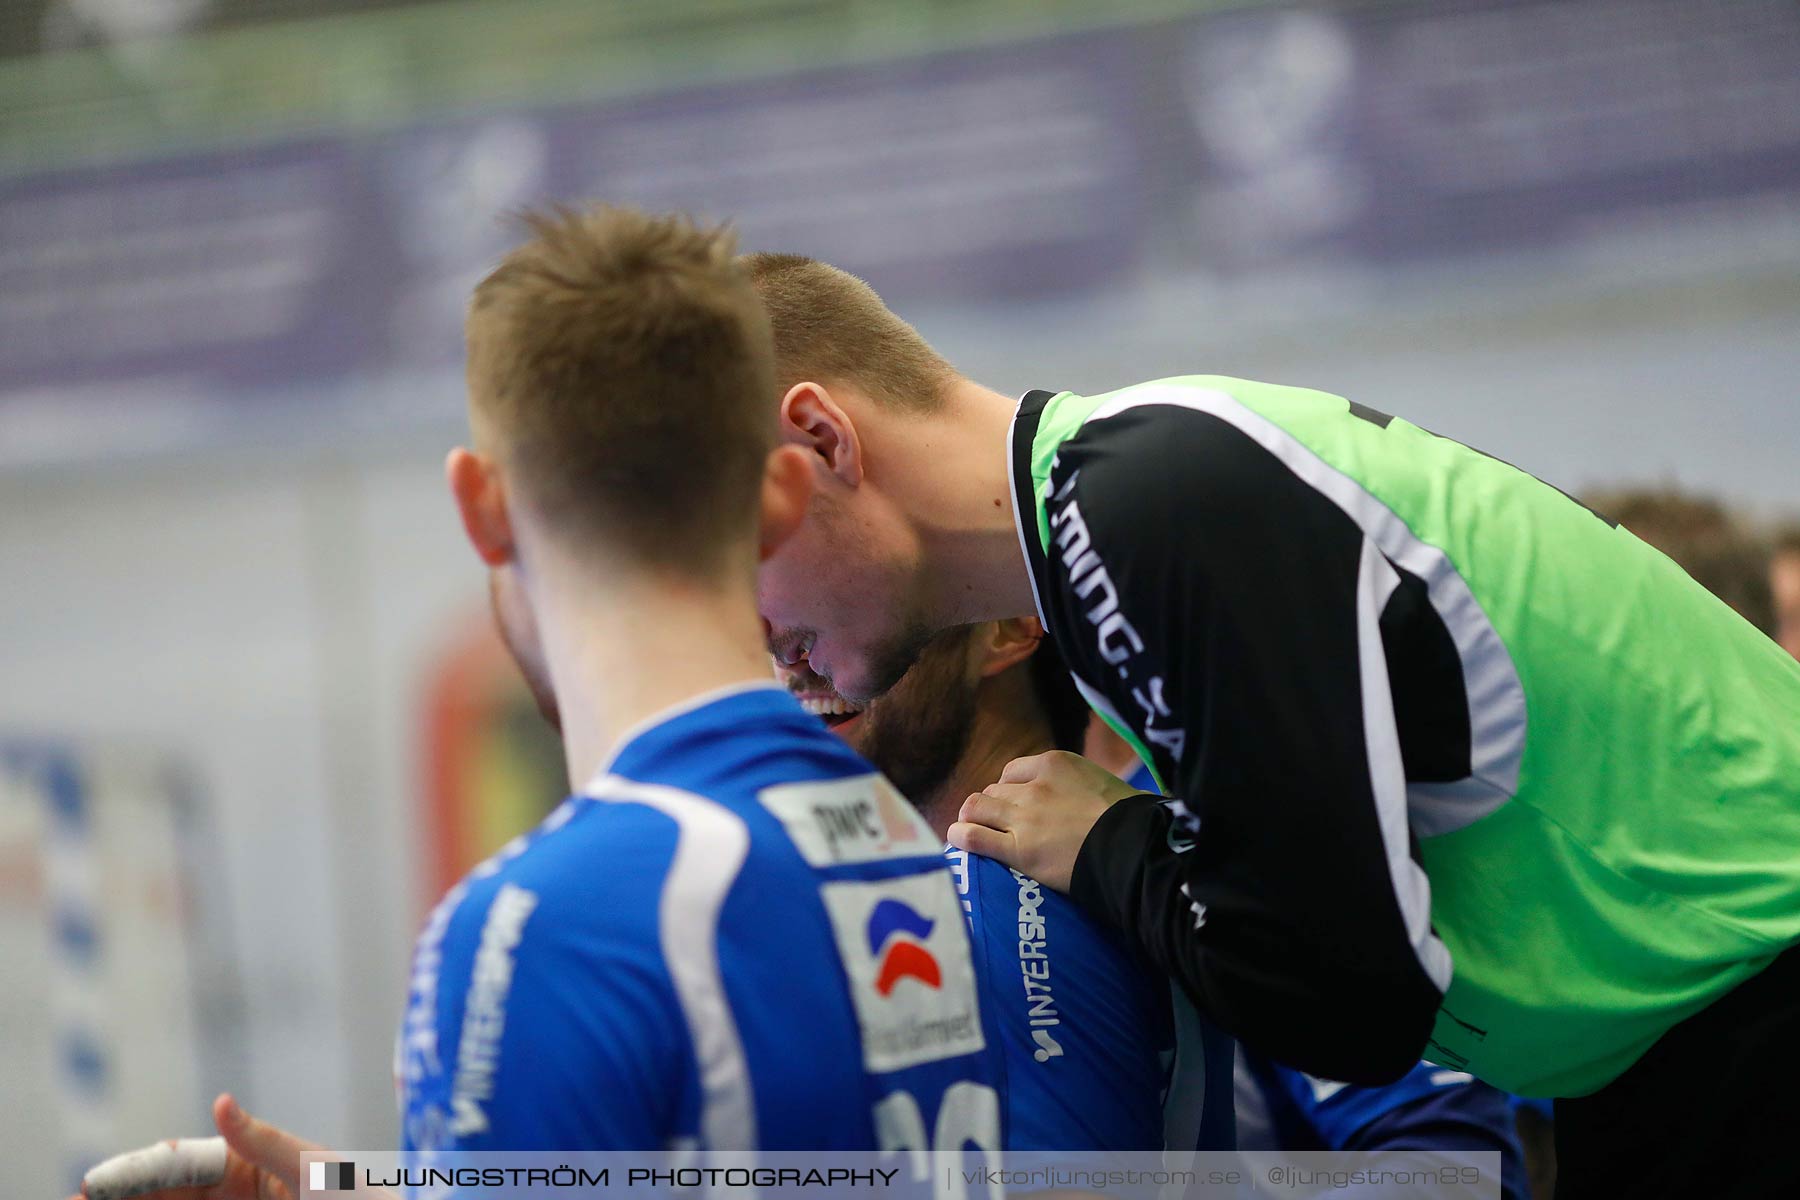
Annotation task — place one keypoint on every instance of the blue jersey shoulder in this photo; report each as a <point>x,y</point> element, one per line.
<point>736,885</point>
<point>526,980</point>
<point>1083,1030</point>
<point>841,934</point>
<point>1144,781</point>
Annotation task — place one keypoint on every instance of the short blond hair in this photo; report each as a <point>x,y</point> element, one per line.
<point>620,365</point>
<point>831,327</point>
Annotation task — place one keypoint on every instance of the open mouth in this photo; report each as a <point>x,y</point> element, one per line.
<point>817,696</point>
<point>834,711</point>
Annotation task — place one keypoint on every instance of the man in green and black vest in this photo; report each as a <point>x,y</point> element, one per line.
<point>1464,770</point>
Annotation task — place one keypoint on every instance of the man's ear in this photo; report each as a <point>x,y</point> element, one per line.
<point>813,420</point>
<point>786,489</point>
<point>481,502</point>
<point>1006,644</point>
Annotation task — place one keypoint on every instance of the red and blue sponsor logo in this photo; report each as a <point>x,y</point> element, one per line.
<point>897,936</point>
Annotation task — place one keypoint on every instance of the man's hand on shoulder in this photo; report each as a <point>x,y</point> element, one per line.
<point>1037,816</point>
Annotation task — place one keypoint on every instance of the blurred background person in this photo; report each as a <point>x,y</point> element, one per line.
<point>254,721</point>
<point>1784,587</point>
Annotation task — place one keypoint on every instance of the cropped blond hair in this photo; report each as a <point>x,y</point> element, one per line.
<point>620,365</point>
<point>830,327</point>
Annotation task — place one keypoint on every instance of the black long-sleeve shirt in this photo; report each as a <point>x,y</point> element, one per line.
<point>1242,628</point>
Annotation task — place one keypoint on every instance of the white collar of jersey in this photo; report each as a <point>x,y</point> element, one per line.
<point>1024,519</point>
<point>679,709</point>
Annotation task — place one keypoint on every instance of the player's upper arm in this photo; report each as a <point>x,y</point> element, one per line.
<point>554,1023</point>
<point>1238,624</point>
<point>1080,1024</point>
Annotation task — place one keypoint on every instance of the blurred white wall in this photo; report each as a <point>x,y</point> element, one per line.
<point>269,621</point>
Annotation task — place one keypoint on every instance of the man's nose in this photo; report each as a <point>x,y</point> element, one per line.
<point>785,649</point>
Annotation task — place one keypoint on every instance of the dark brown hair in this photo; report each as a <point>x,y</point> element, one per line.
<point>1787,540</point>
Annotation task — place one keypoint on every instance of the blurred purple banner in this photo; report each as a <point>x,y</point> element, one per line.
<point>1396,132</point>
<point>993,172</point>
<point>232,265</point>
<point>1374,136</point>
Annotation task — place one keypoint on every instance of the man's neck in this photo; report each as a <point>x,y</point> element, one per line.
<point>1111,751</point>
<point>621,653</point>
<point>958,493</point>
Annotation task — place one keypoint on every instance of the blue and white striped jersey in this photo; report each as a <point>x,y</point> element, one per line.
<point>737,937</point>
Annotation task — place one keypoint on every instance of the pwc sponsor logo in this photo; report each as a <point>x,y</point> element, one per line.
<point>905,950</point>
<point>867,819</point>
<point>836,822</point>
<point>897,940</point>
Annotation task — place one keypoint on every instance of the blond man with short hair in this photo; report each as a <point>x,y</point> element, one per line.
<point>1462,770</point>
